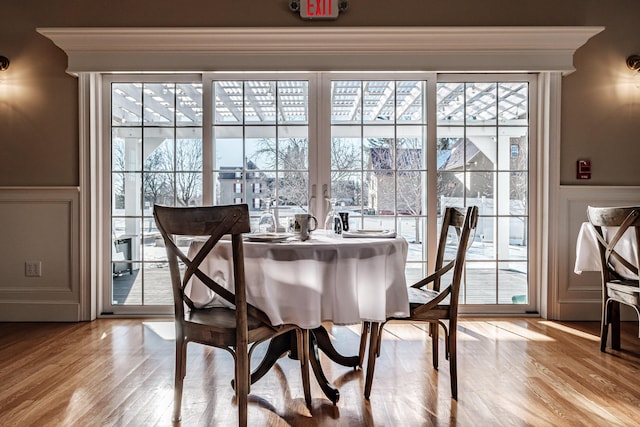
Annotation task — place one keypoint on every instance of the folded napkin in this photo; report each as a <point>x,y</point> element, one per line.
<point>369,233</point>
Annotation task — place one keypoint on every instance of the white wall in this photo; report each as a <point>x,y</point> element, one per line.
<point>579,296</point>
<point>39,224</point>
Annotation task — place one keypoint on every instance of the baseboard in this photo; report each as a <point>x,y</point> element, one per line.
<point>29,311</point>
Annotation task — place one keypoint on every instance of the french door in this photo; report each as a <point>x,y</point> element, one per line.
<point>392,149</point>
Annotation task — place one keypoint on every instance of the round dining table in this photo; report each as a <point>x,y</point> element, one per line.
<point>324,279</point>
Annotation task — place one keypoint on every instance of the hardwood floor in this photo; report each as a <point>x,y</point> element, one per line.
<point>511,372</point>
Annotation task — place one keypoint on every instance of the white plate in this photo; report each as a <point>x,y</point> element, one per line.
<point>268,237</point>
<point>370,233</point>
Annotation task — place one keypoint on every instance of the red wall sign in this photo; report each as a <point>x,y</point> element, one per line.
<point>319,9</point>
<point>584,169</point>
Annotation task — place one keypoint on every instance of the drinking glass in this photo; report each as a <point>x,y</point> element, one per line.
<point>267,221</point>
<point>332,222</point>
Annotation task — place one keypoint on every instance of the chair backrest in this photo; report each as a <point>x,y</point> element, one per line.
<point>210,222</point>
<point>610,241</point>
<point>461,221</point>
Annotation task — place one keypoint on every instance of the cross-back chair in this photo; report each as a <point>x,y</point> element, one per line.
<point>618,265</point>
<point>430,301</point>
<point>238,326</point>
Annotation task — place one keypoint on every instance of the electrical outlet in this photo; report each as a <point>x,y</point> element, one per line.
<point>33,268</point>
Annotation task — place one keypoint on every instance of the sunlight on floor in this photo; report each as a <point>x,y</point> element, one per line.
<point>569,330</point>
<point>164,330</point>
<point>510,331</point>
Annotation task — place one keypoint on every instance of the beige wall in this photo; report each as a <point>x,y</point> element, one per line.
<point>38,100</point>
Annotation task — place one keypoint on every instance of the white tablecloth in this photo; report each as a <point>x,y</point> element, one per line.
<point>322,279</point>
<point>588,256</point>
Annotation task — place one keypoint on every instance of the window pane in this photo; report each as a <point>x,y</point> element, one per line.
<point>158,188</point>
<point>481,191</point>
<point>189,149</point>
<point>126,104</point>
<point>346,153</point>
<point>410,194</point>
<point>410,101</point>
<point>513,103</point>
<point>347,189</point>
<point>293,190</point>
<point>188,189</point>
<point>413,229</point>
<point>159,104</point>
<point>260,147</point>
<point>409,152</point>
<point>450,103</point>
<point>481,283</point>
<point>512,277</point>
<point>481,105</point>
<point>125,191</point>
<point>189,104</point>
<point>293,153</point>
<point>157,283</point>
<point>346,105</point>
<point>125,149</point>
<point>483,247</point>
<point>379,101</point>
<point>513,149</point>
<point>260,102</point>
<point>293,99</point>
<point>228,102</point>
<point>158,149</point>
<point>228,147</point>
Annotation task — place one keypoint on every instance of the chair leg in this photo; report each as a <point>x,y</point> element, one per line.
<point>434,332</point>
<point>615,325</point>
<point>303,355</point>
<point>242,382</point>
<point>453,361</point>
<point>180,372</point>
<point>371,362</point>
<point>363,341</point>
<point>604,325</point>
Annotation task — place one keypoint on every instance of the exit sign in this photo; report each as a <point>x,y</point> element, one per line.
<point>319,9</point>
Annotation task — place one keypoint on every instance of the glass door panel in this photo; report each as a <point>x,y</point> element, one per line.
<point>155,157</point>
<point>378,158</point>
<point>482,149</point>
<point>261,146</point>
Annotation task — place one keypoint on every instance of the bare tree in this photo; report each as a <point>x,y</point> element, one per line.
<point>157,183</point>
<point>291,157</point>
<point>189,171</point>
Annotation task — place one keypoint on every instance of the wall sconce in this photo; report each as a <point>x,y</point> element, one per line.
<point>4,63</point>
<point>633,62</point>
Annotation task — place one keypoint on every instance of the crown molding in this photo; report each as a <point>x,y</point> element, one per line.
<point>464,49</point>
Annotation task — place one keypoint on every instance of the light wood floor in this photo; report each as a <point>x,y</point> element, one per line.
<point>512,372</point>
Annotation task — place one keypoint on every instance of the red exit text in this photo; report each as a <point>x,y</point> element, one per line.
<point>319,9</point>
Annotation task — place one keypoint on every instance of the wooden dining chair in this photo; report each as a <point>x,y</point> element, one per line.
<point>238,326</point>
<point>618,267</point>
<point>430,300</point>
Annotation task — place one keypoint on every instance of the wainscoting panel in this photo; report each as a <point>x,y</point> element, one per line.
<point>39,225</point>
<point>579,295</point>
